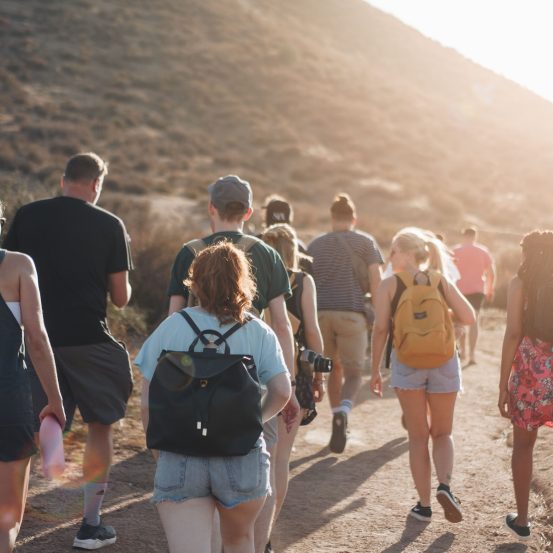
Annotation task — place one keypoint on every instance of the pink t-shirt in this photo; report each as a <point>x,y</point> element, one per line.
<point>473,260</point>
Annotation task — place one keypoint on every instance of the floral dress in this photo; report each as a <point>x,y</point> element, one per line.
<point>531,384</point>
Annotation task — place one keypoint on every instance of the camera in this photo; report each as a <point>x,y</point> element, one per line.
<point>311,361</point>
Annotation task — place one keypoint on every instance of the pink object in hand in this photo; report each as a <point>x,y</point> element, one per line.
<point>51,447</point>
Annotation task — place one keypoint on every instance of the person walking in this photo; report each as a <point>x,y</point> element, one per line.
<point>302,311</point>
<point>476,268</point>
<point>188,489</point>
<point>338,256</point>
<point>425,369</point>
<point>230,206</point>
<point>20,308</point>
<point>82,255</point>
<point>526,381</point>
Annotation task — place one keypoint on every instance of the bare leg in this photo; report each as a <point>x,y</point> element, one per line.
<point>237,526</point>
<point>187,524</point>
<point>521,464</point>
<point>462,341</point>
<point>473,338</point>
<point>335,381</point>
<point>264,521</point>
<point>413,404</point>
<point>98,453</point>
<point>14,483</point>
<point>441,425</point>
<point>352,383</point>
<point>282,462</point>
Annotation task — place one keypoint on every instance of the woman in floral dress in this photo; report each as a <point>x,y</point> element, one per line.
<point>526,382</point>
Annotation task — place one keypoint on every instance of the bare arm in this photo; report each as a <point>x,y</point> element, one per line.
<point>511,340</point>
<point>176,303</point>
<point>277,396</point>
<point>37,339</point>
<point>119,288</point>
<point>462,309</point>
<point>381,327</point>
<point>144,411</point>
<point>375,276</point>
<point>490,281</point>
<point>312,332</point>
<point>282,328</point>
<point>313,337</point>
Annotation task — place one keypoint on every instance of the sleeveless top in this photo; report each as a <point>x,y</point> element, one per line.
<point>15,393</point>
<point>293,303</point>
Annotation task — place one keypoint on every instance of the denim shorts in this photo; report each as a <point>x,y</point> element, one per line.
<point>229,480</point>
<point>444,379</point>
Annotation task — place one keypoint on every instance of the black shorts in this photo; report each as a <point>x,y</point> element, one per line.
<point>16,414</point>
<point>476,300</point>
<point>96,378</point>
<point>16,442</point>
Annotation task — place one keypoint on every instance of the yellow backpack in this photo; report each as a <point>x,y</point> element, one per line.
<point>423,334</point>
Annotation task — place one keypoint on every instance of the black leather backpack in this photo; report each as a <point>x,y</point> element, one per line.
<point>205,404</point>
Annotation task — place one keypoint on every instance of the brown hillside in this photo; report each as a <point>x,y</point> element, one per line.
<point>296,95</point>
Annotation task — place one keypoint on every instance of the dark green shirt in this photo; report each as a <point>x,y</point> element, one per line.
<point>267,267</point>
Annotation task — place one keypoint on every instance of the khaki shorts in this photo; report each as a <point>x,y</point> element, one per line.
<point>345,336</point>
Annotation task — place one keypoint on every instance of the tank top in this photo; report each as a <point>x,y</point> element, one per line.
<point>15,394</point>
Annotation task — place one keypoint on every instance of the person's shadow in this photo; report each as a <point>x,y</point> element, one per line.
<point>510,548</point>
<point>316,490</point>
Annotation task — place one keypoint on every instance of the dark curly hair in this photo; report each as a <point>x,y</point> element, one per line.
<point>537,262</point>
<point>535,270</point>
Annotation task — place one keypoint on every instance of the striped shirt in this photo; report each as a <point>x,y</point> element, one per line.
<point>337,287</point>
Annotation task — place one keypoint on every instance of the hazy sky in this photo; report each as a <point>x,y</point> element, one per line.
<point>512,37</point>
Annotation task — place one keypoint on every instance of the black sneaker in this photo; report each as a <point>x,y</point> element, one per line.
<point>339,432</point>
<point>520,532</point>
<point>421,513</point>
<point>450,504</point>
<point>94,537</point>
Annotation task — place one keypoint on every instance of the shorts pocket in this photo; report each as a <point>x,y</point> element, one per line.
<point>170,472</point>
<point>244,473</point>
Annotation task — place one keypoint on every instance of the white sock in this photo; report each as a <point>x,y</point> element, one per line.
<point>93,497</point>
<point>346,406</point>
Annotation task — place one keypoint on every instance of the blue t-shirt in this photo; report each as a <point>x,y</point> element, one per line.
<point>337,286</point>
<point>255,338</point>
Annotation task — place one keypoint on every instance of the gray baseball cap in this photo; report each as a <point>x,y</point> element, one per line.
<point>230,189</point>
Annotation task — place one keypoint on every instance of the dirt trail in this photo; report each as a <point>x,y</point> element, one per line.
<point>354,502</point>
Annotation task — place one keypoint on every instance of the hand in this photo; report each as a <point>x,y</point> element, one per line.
<point>504,404</point>
<point>319,389</point>
<point>56,409</point>
<point>291,412</point>
<point>376,383</point>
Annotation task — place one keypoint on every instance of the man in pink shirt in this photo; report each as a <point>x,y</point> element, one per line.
<point>476,267</point>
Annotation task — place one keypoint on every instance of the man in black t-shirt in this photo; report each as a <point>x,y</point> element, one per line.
<point>82,254</point>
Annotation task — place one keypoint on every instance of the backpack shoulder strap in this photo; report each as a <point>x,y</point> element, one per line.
<point>232,330</point>
<point>196,246</point>
<point>404,279</point>
<point>400,288</point>
<point>247,242</point>
<point>435,279</point>
<point>298,286</point>
<point>194,327</point>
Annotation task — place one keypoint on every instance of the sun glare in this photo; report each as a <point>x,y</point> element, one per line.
<point>511,37</point>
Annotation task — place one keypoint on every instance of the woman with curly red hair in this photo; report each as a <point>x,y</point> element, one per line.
<point>188,488</point>
<point>526,382</point>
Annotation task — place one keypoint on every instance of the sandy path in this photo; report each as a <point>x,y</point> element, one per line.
<point>354,502</point>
